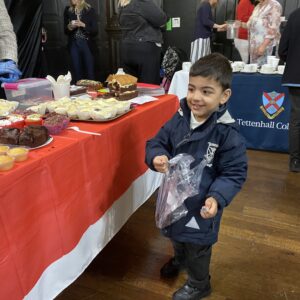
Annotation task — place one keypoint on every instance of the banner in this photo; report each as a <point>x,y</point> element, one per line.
<point>260,105</point>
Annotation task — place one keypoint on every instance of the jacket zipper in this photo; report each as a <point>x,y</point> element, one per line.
<point>185,140</point>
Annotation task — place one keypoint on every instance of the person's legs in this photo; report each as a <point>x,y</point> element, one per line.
<point>149,63</point>
<point>294,129</point>
<point>243,47</point>
<point>76,62</point>
<point>176,263</point>
<point>142,60</point>
<point>197,266</point>
<point>129,54</point>
<point>87,59</point>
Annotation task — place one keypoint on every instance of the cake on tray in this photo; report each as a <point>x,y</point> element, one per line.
<point>122,86</point>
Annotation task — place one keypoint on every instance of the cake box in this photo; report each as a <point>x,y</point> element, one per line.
<point>28,92</point>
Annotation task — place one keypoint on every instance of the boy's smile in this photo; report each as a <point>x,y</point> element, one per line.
<point>204,96</point>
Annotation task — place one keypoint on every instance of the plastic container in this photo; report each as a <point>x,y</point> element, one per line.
<point>232,30</point>
<point>28,92</point>
<point>18,153</point>
<point>6,162</point>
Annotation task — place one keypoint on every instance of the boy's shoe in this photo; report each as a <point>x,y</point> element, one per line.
<point>188,292</point>
<point>170,269</point>
<point>295,165</point>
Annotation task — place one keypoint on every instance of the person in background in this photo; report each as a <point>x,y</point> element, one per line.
<point>289,49</point>
<point>244,10</point>
<point>80,25</point>
<point>205,24</point>
<point>141,22</point>
<point>9,71</point>
<point>203,128</point>
<point>264,30</point>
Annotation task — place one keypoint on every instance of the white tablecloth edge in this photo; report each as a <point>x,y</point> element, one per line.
<point>68,268</point>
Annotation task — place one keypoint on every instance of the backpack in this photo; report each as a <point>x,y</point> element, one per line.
<point>171,62</point>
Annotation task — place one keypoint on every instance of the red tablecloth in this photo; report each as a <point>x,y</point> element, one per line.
<point>49,201</point>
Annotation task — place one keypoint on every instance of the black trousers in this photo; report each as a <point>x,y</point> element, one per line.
<point>142,60</point>
<point>196,260</point>
<point>82,60</point>
<point>294,126</point>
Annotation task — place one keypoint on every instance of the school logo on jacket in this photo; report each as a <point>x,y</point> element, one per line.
<point>210,153</point>
<point>272,104</point>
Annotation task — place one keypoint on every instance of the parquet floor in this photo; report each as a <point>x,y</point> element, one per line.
<point>257,256</point>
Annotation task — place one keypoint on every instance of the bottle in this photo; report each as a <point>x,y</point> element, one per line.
<point>120,71</point>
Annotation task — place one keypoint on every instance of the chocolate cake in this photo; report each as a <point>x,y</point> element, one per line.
<point>122,86</point>
<point>91,85</point>
<point>31,136</point>
<point>9,136</point>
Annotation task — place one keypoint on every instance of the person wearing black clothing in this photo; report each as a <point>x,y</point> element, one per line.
<point>289,49</point>
<point>141,22</point>
<point>80,25</point>
<point>204,26</point>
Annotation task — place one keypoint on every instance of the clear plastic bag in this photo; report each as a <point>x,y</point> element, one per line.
<point>179,183</point>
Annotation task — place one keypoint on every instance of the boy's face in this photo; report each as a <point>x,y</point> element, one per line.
<point>205,95</point>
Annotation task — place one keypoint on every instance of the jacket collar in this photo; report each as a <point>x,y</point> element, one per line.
<point>222,115</point>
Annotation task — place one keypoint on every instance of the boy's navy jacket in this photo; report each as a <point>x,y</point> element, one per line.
<point>219,141</point>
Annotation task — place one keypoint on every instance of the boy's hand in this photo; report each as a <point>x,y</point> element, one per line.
<point>210,209</point>
<point>160,163</point>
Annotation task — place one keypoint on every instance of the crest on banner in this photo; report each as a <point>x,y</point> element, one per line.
<point>272,104</point>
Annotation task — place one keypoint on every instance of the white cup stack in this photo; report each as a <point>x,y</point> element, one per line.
<point>280,69</point>
<point>267,69</point>
<point>237,66</point>
<point>61,86</point>
<point>273,61</point>
<point>250,68</point>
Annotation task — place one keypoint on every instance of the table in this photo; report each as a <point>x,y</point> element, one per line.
<point>60,208</point>
<point>259,104</point>
<point>179,84</point>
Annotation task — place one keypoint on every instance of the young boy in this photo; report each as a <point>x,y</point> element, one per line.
<point>203,128</point>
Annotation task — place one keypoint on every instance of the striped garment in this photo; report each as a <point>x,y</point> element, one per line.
<point>8,42</point>
<point>199,48</point>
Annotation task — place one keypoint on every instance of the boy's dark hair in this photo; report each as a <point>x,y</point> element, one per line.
<point>214,66</point>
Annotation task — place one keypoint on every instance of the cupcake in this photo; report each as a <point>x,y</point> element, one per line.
<point>6,162</point>
<point>34,119</point>
<point>96,114</point>
<point>17,121</point>
<point>18,153</point>
<point>3,149</point>
<point>56,123</point>
<point>84,114</point>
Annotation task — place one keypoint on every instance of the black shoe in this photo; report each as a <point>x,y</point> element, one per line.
<point>188,292</point>
<point>295,165</point>
<point>170,269</point>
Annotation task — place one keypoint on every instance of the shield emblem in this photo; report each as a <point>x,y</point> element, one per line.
<point>272,102</point>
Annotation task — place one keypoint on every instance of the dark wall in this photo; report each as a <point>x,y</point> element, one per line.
<point>180,37</point>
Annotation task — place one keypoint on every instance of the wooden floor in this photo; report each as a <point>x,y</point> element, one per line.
<point>257,256</point>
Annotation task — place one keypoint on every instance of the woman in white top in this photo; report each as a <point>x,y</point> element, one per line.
<point>264,31</point>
